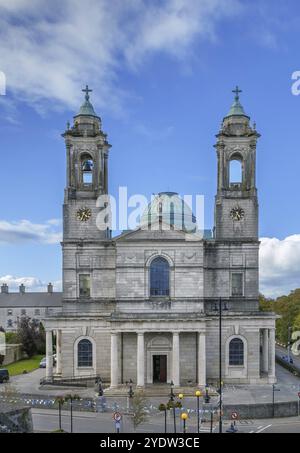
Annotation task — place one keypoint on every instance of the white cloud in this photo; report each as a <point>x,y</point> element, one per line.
<point>31,283</point>
<point>23,231</point>
<point>279,265</point>
<point>50,49</point>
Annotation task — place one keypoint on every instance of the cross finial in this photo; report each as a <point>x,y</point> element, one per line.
<point>86,90</point>
<point>237,92</point>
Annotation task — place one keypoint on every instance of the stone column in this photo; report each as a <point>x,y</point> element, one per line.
<point>114,368</point>
<point>49,354</point>
<point>175,360</point>
<point>58,351</point>
<point>201,359</point>
<point>272,353</point>
<point>140,360</point>
<point>265,351</point>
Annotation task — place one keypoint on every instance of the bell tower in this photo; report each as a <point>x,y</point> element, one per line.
<point>236,205</point>
<point>87,152</point>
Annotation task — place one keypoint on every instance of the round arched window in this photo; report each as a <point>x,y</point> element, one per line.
<point>85,353</point>
<point>159,277</point>
<point>236,352</point>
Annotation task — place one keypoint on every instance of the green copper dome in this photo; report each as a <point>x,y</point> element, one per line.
<point>173,211</point>
<point>236,109</point>
<point>87,108</point>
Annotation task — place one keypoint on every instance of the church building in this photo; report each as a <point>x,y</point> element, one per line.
<point>145,305</point>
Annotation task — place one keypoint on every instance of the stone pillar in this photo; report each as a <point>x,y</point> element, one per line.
<point>271,353</point>
<point>49,354</point>
<point>114,369</point>
<point>58,351</point>
<point>265,351</point>
<point>201,360</point>
<point>175,360</point>
<point>140,360</point>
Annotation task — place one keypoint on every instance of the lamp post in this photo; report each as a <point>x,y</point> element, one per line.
<point>71,398</point>
<point>100,388</point>
<point>172,394</point>
<point>274,389</point>
<point>220,310</point>
<point>172,404</point>
<point>60,400</point>
<point>289,342</point>
<point>130,393</point>
<point>163,408</point>
<point>184,417</point>
<point>198,394</point>
<point>207,397</point>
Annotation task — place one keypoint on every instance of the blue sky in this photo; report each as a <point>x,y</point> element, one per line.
<point>162,74</point>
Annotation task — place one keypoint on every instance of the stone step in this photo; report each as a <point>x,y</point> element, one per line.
<point>154,390</point>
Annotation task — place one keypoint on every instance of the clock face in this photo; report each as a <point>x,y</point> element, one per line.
<point>237,213</point>
<point>84,214</point>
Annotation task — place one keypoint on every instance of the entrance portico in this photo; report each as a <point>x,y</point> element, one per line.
<point>158,357</point>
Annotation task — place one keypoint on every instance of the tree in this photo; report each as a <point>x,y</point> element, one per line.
<point>31,336</point>
<point>139,413</point>
<point>288,309</point>
<point>11,338</point>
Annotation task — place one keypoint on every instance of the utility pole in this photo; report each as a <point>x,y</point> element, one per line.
<point>289,341</point>
<point>220,364</point>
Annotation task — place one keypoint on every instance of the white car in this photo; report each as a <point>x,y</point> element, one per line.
<point>43,361</point>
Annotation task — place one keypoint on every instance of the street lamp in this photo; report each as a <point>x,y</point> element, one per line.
<point>184,417</point>
<point>289,342</point>
<point>274,389</point>
<point>198,394</point>
<point>207,397</point>
<point>130,393</point>
<point>220,310</point>
<point>100,387</point>
<point>172,404</point>
<point>172,394</point>
<point>163,408</point>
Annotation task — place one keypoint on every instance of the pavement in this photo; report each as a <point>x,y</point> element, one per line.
<point>47,420</point>
<point>288,384</point>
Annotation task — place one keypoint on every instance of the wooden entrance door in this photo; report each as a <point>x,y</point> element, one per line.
<point>159,368</point>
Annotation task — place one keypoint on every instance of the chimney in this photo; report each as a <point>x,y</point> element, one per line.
<point>50,288</point>
<point>4,288</point>
<point>22,289</point>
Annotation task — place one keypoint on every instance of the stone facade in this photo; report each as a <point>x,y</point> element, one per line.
<point>113,325</point>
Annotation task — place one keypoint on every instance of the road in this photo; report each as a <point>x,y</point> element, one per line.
<point>283,351</point>
<point>47,420</point>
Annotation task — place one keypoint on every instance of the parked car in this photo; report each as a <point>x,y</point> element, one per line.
<point>287,359</point>
<point>4,376</point>
<point>43,363</point>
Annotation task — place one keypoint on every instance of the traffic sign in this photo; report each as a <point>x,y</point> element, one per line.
<point>117,416</point>
<point>234,416</point>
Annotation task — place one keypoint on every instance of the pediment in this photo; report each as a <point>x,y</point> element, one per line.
<point>156,234</point>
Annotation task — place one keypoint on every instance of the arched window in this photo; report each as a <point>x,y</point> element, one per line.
<point>235,171</point>
<point>87,166</point>
<point>159,277</point>
<point>236,352</point>
<point>85,353</point>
